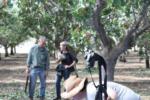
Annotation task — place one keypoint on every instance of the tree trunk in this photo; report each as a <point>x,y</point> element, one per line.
<point>147,63</point>
<point>0,57</point>
<point>6,51</point>
<point>14,49</point>
<point>146,59</point>
<point>110,68</point>
<point>11,50</point>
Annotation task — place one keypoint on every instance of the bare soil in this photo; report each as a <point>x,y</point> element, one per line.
<point>12,76</point>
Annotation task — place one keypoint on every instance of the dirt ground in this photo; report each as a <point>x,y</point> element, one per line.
<point>12,76</point>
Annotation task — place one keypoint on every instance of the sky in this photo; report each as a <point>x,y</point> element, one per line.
<point>23,47</point>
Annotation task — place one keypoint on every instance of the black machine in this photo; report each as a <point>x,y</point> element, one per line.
<point>91,57</point>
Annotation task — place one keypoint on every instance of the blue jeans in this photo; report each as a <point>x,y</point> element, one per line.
<point>61,74</point>
<point>40,72</point>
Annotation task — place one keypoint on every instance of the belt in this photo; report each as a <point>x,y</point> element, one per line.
<point>37,67</point>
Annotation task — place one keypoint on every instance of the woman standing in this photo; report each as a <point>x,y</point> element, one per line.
<point>65,67</point>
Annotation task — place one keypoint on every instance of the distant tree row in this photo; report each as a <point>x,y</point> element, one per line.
<point>11,28</point>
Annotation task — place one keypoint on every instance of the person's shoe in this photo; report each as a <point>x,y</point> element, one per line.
<point>30,98</point>
<point>42,98</point>
<point>57,98</point>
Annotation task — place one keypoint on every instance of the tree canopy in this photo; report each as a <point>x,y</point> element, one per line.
<point>112,25</point>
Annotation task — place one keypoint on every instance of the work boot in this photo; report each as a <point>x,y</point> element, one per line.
<point>57,98</point>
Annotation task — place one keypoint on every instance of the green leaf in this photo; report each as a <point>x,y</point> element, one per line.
<point>109,3</point>
<point>123,3</point>
<point>107,11</point>
<point>117,3</point>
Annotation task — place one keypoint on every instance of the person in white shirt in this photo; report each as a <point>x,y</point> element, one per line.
<point>79,89</point>
<point>115,91</point>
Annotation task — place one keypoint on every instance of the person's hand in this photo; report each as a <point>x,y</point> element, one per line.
<point>111,94</point>
<point>27,71</point>
<point>67,66</point>
<point>61,57</point>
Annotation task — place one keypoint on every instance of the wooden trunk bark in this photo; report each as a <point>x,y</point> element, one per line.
<point>147,63</point>
<point>147,58</point>
<point>0,57</point>
<point>6,51</point>
<point>11,50</point>
<point>110,69</point>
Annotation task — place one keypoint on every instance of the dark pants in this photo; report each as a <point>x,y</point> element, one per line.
<point>65,73</point>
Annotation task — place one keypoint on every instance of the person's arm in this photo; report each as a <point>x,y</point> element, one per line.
<point>58,61</point>
<point>72,64</point>
<point>75,60</point>
<point>59,57</point>
<point>29,60</point>
<point>111,94</point>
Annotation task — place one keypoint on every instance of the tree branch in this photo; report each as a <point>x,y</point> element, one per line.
<point>141,31</point>
<point>97,23</point>
<point>143,13</point>
<point>132,32</point>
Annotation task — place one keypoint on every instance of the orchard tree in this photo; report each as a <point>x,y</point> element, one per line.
<point>11,27</point>
<point>137,19</point>
<point>4,30</point>
<point>144,44</point>
<point>118,23</point>
<point>46,17</point>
